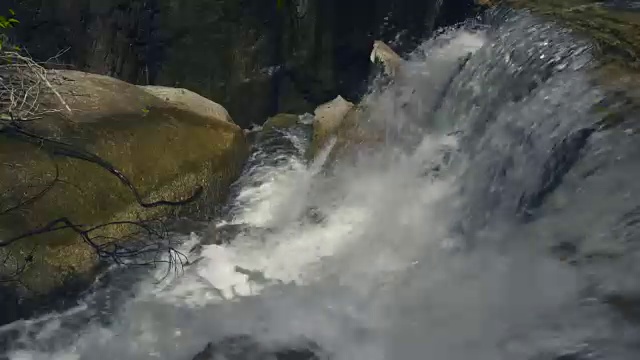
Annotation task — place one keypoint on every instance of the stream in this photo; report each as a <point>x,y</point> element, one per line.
<point>496,221</point>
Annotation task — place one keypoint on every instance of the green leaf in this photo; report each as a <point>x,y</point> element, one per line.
<point>14,21</point>
<point>13,13</point>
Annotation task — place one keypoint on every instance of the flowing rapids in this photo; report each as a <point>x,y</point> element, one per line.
<point>494,222</point>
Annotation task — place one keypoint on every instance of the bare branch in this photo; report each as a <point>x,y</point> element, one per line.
<point>59,148</point>
<point>22,82</point>
<point>24,86</point>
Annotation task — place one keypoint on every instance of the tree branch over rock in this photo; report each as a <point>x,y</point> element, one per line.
<point>24,86</point>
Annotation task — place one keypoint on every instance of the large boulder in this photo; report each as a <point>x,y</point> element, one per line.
<point>166,150</point>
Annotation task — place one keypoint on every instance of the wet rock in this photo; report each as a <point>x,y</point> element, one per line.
<point>226,233</point>
<point>280,121</point>
<point>383,54</point>
<point>185,226</point>
<point>210,235</point>
<point>251,135</point>
<point>565,250</point>
<point>581,353</point>
<point>626,305</point>
<point>561,159</point>
<point>244,347</point>
<point>314,215</point>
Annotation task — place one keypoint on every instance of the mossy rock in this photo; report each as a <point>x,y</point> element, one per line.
<point>280,121</point>
<point>167,152</point>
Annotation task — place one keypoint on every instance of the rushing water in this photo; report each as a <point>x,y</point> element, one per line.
<point>495,222</point>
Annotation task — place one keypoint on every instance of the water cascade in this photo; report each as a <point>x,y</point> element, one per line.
<point>496,221</point>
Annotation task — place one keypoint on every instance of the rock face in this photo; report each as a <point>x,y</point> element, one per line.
<point>287,56</point>
<point>167,151</point>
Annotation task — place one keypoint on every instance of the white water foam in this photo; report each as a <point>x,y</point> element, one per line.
<point>294,251</point>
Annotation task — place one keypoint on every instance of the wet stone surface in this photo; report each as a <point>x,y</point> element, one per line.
<point>243,347</point>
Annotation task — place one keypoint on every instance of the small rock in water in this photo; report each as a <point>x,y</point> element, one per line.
<point>564,250</point>
<point>243,347</point>
<point>210,235</point>
<point>626,305</point>
<point>315,215</point>
<point>226,233</point>
<point>582,352</point>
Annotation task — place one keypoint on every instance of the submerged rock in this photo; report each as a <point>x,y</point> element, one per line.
<point>166,150</point>
<point>243,347</point>
<point>626,306</point>
<point>280,121</point>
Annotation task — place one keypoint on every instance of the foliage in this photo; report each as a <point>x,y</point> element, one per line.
<point>5,24</point>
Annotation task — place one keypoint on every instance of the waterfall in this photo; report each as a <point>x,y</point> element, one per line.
<point>496,221</point>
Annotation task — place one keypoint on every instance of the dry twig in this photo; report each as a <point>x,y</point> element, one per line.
<point>23,83</point>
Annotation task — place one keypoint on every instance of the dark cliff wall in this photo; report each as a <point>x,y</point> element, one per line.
<point>254,57</point>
